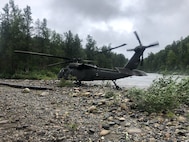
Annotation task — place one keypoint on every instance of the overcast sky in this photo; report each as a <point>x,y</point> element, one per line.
<point>113,21</point>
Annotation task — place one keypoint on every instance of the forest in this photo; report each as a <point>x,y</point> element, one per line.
<point>173,59</point>
<point>18,31</point>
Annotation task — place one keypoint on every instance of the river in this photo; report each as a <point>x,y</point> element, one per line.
<point>136,81</point>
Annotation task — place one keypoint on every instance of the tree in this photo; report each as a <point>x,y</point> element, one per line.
<point>72,45</point>
<point>90,48</point>
<point>171,59</point>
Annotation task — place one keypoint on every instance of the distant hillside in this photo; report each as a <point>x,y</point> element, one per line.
<point>174,58</point>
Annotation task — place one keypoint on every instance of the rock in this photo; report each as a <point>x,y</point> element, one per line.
<point>4,121</point>
<point>26,90</point>
<point>91,131</point>
<point>103,101</point>
<point>123,106</point>
<point>167,136</point>
<point>121,119</point>
<point>99,94</point>
<point>111,123</point>
<point>92,109</point>
<point>104,132</point>
<point>106,126</point>
<point>181,119</point>
<point>127,124</point>
<point>44,93</point>
<point>86,94</point>
<point>77,90</point>
<point>151,140</point>
<point>156,125</point>
<point>181,133</point>
<point>160,119</point>
<point>110,118</point>
<point>134,131</point>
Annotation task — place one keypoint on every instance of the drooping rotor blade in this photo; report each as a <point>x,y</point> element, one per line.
<point>153,44</point>
<point>113,48</point>
<point>41,54</point>
<point>55,64</point>
<point>137,38</point>
<point>117,46</point>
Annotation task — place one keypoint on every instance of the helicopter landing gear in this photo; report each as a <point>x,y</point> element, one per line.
<point>78,82</point>
<point>117,87</point>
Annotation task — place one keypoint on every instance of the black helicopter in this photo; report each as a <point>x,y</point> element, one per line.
<point>88,72</point>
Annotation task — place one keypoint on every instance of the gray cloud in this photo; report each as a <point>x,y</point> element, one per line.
<point>89,9</point>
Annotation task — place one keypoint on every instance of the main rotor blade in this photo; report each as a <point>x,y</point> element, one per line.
<point>137,38</point>
<point>118,46</point>
<point>153,44</point>
<point>130,49</point>
<point>113,48</point>
<point>40,54</point>
<point>55,64</point>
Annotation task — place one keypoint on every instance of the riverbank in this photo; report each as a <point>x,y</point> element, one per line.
<point>88,113</point>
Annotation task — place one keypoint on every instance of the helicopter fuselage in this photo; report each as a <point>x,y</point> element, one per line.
<point>87,72</point>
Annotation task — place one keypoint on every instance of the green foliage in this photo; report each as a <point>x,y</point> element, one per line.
<point>43,74</point>
<point>109,94</point>
<point>183,91</point>
<point>65,83</point>
<point>72,126</point>
<point>164,95</point>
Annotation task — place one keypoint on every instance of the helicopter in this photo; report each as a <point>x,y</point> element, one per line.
<point>83,70</point>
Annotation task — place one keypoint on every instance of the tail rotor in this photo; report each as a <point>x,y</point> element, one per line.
<point>141,48</point>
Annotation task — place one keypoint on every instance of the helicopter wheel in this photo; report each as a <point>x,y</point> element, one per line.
<point>78,82</point>
<point>117,87</point>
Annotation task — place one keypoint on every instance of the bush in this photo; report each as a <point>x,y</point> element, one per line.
<point>65,83</point>
<point>165,94</point>
<point>183,91</point>
<point>43,74</point>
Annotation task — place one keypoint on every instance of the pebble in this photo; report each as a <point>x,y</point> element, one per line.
<point>91,131</point>
<point>111,123</point>
<point>121,119</point>
<point>123,106</point>
<point>62,113</point>
<point>4,121</point>
<point>44,93</point>
<point>92,109</point>
<point>134,130</point>
<point>104,132</point>
<point>181,119</point>
<point>26,90</point>
<point>87,93</point>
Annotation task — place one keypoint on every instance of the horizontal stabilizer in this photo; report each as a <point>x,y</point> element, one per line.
<point>139,72</point>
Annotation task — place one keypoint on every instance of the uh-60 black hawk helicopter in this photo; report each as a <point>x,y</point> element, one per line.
<point>82,71</point>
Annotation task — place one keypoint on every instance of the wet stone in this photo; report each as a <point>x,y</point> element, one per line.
<point>104,132</point>
<point>134,130</point>
<point>106,126</point>
<point>26,90</point>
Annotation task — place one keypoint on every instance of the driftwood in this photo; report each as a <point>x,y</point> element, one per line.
<point>26,86</point>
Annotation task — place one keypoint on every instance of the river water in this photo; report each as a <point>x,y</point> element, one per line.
<point>136,81</point>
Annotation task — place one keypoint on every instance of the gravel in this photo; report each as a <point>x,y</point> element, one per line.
<point>85,114</point>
